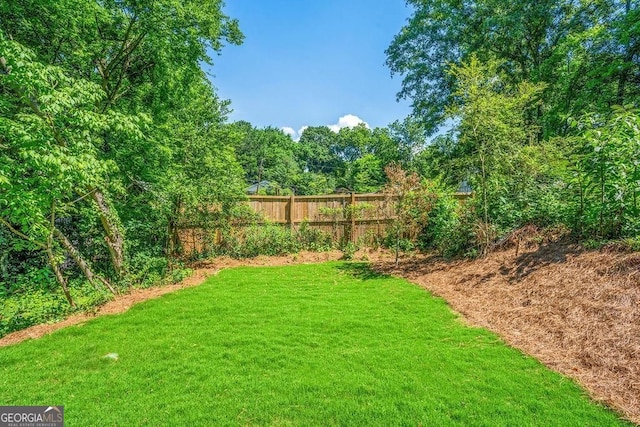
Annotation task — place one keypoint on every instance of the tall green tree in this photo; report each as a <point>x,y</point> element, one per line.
<point>266,154</point>
<point>491,133</point>
<point>318,150</point>
<point>51,133</point>
<point>585,52</point>
<point>142,60</point>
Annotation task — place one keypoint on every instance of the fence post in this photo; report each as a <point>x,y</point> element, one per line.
<point>352,213</point>
<point>291,202</point>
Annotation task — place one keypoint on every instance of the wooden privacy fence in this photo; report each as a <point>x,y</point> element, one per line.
<point>356,217</point>
<point>352,216</point>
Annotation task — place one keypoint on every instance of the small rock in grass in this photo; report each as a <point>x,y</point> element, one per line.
<point>112,356</point>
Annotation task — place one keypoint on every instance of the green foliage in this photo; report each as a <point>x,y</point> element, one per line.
<point>409,203</point>
<point>51,132</point>
<point>248,241</point>
<point>443,219</point>
<point>510,77</point>
<point>492,130</point>
<point>313,239</point>
<point>492,147</point>
<point>147,269</point>
<point>111,133</point>
<point>348,250</point>
<point>585,53</point>
<point>34,302</point>
<point>463,238</point>
<point>366,175</point>
<point>318,151</point>
<point>53,129</point>
<point>267,240</point>
<point>266,154</point>
<point>400,244</point>
<point>311,183</point>
<point>352,158</point>
<point>607,175</point>
<point>258,239</point>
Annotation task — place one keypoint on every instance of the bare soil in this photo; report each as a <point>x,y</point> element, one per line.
<point>576,311</point>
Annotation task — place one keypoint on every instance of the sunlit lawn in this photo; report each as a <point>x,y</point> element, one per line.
<point>330,344</point>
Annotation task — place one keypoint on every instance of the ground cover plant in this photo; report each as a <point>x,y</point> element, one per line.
<point>329,344</point>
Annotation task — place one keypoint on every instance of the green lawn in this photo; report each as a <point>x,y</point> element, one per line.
<point>330,344</point>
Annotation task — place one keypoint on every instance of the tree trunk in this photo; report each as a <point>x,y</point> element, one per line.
<point>82,264</point>
<point>113,234</point>
<point>485,205</point>
<point>56,270</point>
<point>624,76</point>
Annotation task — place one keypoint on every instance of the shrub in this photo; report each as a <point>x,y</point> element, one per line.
<point>31,305</point>
<point>147,269</point>
<point>442,221</point>
<point>348,249</point>
<point>312,239</point>
<point>459,237</point>
<point>266,239</point>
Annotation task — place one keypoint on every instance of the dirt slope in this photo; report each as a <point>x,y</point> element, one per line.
<point>576,311</point>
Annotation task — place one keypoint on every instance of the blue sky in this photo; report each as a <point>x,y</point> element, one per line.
<point>311,62</point>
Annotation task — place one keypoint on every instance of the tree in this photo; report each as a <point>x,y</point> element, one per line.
<point>142,108</point>
<point>51,131</point>
<point>365,174</point>
<point>491,131</point>
<point>585,52</point>
<point>203,178</point>
<point>266,154</point>
<point>318,151</point>
<point>409,139</point>
<point>408,204</point>
<point>607,174</point>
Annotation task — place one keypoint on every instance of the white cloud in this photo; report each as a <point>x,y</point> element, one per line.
<point>347,121</point>
<point>289,131</point>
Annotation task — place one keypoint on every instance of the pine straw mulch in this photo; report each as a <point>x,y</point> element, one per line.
<point>576,311</point>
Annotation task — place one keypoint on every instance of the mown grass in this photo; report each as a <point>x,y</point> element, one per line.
<point>331,344</point>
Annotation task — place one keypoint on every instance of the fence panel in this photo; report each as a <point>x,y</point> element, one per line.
<point>356,217</point>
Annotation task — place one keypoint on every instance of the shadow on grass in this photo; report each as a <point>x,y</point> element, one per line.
<point>361,270</point>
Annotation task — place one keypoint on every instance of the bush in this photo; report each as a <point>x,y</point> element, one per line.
<point>32,305</point>
<point>459,237</point>
<point>267,239</point>
<point>271,240</point>
<point>402,244</point>
<point>348,249</point>
<point>147,269</point>
<point>312,239</point>
<point>442,221</point>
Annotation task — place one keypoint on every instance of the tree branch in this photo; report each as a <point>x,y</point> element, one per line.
<point>21,234</point>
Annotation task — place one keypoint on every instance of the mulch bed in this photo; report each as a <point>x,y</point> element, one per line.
<point>576,311</point>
